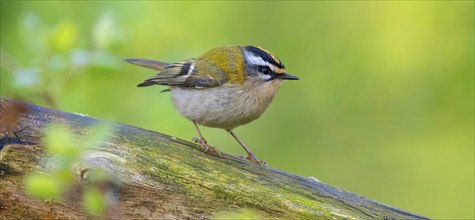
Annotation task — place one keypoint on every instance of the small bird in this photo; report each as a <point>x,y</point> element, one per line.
<point>224,88</point>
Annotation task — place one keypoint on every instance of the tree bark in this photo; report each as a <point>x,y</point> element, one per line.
<point>162,177</point>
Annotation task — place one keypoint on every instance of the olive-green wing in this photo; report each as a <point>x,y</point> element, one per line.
<point>190,73</point>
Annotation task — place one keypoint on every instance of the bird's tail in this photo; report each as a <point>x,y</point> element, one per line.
<point>151,64</point>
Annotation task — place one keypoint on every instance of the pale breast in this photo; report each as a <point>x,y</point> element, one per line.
<point>226,106</point>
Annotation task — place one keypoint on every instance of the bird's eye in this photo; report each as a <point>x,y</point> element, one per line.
<point>264,69</point>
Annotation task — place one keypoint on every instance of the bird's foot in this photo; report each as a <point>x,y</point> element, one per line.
<point>206,147</point>
<point>253,159</point>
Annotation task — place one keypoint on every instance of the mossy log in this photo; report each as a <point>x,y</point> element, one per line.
<point>162,177</point>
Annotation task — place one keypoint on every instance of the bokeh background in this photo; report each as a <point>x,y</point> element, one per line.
<point>384,107</point>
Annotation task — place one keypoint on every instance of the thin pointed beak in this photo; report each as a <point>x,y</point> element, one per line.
<point>287,76</point>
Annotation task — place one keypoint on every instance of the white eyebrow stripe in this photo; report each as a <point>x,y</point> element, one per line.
<point>258,61</point>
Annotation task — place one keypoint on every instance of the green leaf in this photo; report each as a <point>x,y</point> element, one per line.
<point>63,36</point>
<point>97,135</point>
<point>41,186</point>
<point>106,33</point>
<point>32,32</point>
<point>26,77</point>
<point>94,202</point>
<point>97,176</point>
<point>62,171</point>
<point>60,142</point>
<point>79,58</point>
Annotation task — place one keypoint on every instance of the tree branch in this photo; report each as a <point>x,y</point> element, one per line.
<point>163,177</point>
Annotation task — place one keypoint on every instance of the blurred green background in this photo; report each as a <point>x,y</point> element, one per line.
<point>384,107</point>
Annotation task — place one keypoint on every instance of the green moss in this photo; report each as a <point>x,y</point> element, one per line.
<point>217,186</point>
<point>24,213</point>
<point>178,173</point>
<point>20,158</point>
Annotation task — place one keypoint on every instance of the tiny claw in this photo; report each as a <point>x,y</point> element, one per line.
<point>213,151</point>
<point>207,148</point>
<point>261,162</point>
<point>195,140</point>
<point>253,159</point>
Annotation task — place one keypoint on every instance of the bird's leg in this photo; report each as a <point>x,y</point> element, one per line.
<point>204,143</point>
<point>250,155</point>
<point>201,140</point>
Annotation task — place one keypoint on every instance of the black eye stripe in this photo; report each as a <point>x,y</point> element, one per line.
<point>265,70</point>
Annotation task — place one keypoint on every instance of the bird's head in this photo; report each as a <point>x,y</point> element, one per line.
<point>263,65</point>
